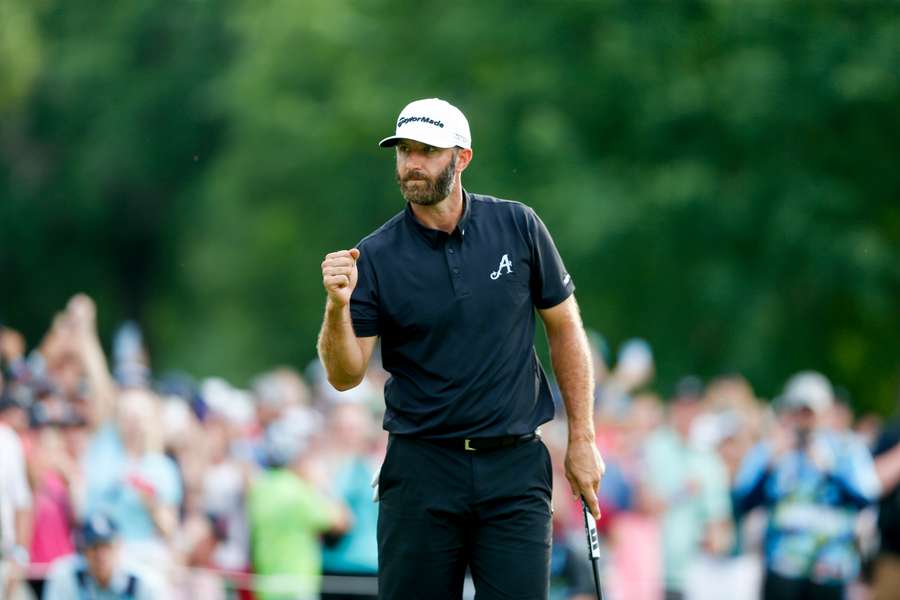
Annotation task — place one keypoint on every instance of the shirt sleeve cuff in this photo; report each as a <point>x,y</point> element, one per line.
<point>551,301</point>
<point>365,328</point>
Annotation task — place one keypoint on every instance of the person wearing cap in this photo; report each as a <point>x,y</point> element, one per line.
<point>450,286</point>
<point>98,571</point>
<point>813,482</point>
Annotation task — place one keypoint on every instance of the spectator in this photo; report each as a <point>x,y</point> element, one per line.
<point>636,562</point>
<point>276,391</point>
<point>57,480</point>
<point>225,480</point>
<point>273,393</point>
<point>15,499</point>
<point>12,354</point>
<point>688,488</point>
<point>202,543</point>
<point>127,475</point>
<point>287,514</point>
<point>634,369</point>
<point>15,494</point>
<point>813,482</point>
<point>886,579</point>
<point>349,444</point>
<point>99,571</point>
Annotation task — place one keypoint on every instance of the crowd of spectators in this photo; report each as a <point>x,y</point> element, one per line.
<point>141,484</point>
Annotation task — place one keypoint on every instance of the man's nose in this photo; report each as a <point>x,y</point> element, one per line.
<point>414,159</point>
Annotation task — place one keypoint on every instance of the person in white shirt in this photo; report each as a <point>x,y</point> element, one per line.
<point>15,501</point>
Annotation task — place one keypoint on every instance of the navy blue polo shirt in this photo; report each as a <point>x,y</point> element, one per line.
<point>455,313</point>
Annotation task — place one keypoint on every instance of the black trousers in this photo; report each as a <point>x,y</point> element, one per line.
<point>447,509</point>
<point>777,587</point>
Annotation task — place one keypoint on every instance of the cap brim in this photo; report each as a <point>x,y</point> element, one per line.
<point>792,403</point>
<point>97,541</point>
<point>390,142</point>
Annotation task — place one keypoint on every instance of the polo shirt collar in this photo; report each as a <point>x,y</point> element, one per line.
<point>436,236</point>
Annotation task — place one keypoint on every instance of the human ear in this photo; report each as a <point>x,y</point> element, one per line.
<point>463,158</point>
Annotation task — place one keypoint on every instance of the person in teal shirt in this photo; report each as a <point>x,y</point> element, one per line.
<point>119,483</point>
<point>689,488</point>
<point>351,433</point>
<point>356,552</point>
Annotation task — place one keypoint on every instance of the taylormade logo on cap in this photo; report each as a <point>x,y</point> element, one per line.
<point>431,121</point>
<point>404,120</point>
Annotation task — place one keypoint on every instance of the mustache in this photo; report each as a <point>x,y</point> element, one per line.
<point>416,176</point>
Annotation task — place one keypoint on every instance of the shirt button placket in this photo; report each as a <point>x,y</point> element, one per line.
<point>454,266</point>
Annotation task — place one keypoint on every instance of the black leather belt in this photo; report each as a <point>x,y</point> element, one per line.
<point>484,444</point>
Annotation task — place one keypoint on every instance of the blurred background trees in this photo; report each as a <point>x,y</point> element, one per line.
<point>721,177</point>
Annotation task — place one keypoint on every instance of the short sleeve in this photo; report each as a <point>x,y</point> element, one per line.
<point>550,282</point>
<point>165,475</point>
<point>752,468</point>
<point>857,470</point>
<point>318,511</point>
<point>19,493</point>
<point>60,583</point>
<point>364,301</point>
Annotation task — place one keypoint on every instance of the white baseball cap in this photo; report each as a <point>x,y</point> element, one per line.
<point>807,389</point>
<point>431,121</point>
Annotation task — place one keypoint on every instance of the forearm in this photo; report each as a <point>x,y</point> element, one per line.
<point>165,517</point>
<point>76,495</point>
<point>571,358</point>
<point>338,348</point>
<point>24,527</point>
<point>100,382</point>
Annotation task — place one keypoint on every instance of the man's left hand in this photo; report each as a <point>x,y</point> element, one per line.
<point>584,469</point>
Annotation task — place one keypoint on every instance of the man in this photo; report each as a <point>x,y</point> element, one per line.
<point>288,513</point>
<point>688,487</point>
<point>814,483</point>
<point>98,571</point>
<point>450,285</point>
<point>127,476</point>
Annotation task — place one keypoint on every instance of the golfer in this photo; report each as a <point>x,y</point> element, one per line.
<point>450,285</point>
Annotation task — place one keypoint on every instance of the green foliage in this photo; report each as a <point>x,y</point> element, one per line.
<point>720,177</point>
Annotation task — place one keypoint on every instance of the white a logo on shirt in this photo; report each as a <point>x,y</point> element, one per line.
<point>504,263</point>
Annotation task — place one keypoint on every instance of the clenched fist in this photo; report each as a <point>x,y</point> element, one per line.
<point>339,275</point>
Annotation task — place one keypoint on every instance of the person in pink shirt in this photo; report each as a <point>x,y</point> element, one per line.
<point>57,482</point>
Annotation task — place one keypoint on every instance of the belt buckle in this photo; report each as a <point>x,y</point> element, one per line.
<point>468,447</point>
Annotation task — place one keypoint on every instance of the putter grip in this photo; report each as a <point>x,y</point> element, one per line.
<point>590,527</point>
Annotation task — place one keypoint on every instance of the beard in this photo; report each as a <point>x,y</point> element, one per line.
<point>420,189</point>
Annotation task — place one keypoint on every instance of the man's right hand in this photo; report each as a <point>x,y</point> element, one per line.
<point>339,275</point>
